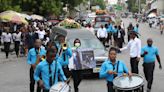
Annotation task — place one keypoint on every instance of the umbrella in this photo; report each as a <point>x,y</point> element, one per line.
<point>26,16</point>
<point>37,17</point>
<point>12,16</point>
<point>152,15</point>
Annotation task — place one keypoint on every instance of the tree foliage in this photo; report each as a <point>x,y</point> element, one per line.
<point>101,3</point>
<point>133,5</point>
<point>43,7</point>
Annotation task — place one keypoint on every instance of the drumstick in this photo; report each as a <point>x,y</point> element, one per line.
<point>67,81</point>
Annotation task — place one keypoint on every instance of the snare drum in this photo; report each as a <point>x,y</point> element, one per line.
<point>126,84</point>
<point>60,87</point>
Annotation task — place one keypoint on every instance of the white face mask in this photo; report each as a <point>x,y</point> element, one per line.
<point>77,44</point>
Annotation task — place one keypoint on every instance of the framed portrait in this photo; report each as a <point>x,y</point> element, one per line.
<point>86,59</point>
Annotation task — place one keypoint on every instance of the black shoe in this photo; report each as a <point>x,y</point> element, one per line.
<point>148,90</point>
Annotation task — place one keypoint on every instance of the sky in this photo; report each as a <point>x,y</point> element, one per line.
<point>113,1</point>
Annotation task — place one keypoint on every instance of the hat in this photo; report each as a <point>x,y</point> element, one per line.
<point>133,32</point>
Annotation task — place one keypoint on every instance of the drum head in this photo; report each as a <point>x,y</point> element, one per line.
<point>124,82</point>
<point>60,87</point>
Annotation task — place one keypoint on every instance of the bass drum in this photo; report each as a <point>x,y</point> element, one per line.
<point>126,84</point>
<point>60,87</point>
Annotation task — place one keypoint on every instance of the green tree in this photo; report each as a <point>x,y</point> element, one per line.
<point>101,3</point>
<point>50,7</point>
<point>133,5</point>
<point>9,5</point>
<point>42,7</point>
<point>72,3</point>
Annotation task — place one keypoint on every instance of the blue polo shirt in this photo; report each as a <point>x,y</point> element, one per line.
<point>107,66</point>
<point>110,28</point>
<point>136,29</point>
<point>43,69</point>
<point>32,55</point>
<point>114,30</point>
<point>65,55</point>
<point>151,56</point>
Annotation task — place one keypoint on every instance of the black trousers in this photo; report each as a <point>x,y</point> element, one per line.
<point>149,72</point>
<point>103,40</point>
<point>32,82</point>
<point>77,77</point>
<point>17,44</point>
<point>110,87</point>
<point>120,42</point>
<point>66,71</point>
<point>134,65</point>
<point>7,48</point>
<point>109,37</point>
<point>44,90</point>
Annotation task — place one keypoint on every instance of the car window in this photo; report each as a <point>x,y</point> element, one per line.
<point>102,19</point>
<point>98,24</point>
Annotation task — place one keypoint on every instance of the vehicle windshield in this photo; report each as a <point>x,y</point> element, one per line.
<point>88,43</point>
<point>98,24</point>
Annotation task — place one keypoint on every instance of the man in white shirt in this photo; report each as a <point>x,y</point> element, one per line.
<point>41,33</point>
<point>135,51</point>
<point>102,34</point>
<point>6,39</point>
<point>122,25</point>
<point>17,40</point>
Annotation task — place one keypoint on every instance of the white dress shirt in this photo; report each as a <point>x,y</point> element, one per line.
<point>102,33</point>
<point>17,37</point>
<point>41,34</point>
<point>135,47</point>
<point>6,37</point>
<point>46,41</point>
<point>122,25</point>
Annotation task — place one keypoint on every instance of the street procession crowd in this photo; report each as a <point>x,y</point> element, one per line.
<point>49,60</point>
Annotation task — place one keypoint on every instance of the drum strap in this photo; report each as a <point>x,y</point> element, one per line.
<point>117,66</point>
<point>55,71</point>
<point>116,69</point>
<point>50,78</point>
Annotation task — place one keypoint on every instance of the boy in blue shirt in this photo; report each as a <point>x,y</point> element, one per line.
<point>112,68</point>
<point>109,30</point>
<point>64,53</point>
<point>50,69</point>
<point>33,58</point>
<point>149,54</point>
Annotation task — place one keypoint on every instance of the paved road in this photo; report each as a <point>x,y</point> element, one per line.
<point>14,72</point>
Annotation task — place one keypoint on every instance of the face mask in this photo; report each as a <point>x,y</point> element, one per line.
<point>77,44</point>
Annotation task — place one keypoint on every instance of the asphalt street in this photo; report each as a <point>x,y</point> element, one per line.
<point>14,72</point>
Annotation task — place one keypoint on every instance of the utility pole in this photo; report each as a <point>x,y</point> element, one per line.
<point>89,5</point>
<point>139,6</point>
